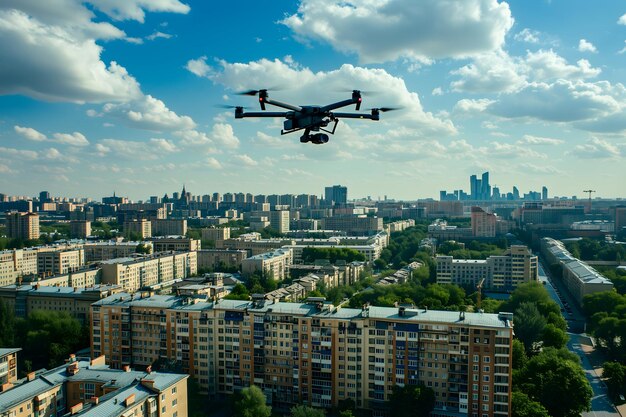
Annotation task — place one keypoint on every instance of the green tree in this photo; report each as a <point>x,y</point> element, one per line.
<point>523,406</point>
<point>553,336</point>
<point>553,375</point>
<point>251,402</point>
<point>529,324</point>
<point>143,248</point>
<point>346,413</point>
<point>614,375</point>
<point>306,411</point>
<point>48,337</point>
<point>7,325</point>
<point>239,292</point>
<point>411,400</point>
<point>519,355</point>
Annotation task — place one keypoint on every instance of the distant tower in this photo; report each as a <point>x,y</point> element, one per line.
<point>544,193</point>
<point>473,187</point>
<point>485,187</point>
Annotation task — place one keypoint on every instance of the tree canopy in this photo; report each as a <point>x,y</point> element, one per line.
<point>251,402</point>
<point>411,400</point>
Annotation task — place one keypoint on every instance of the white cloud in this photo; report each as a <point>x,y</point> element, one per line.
<point>245,160</point>
<point>562,101</point>
<point>222,134</point>
<point>198,67</point>
<point>136,150</point>
<point>163,145</point>
<point>30,133</point>
<point>538,140</point>
<point>213,163</point>
<point>437,91</point>
<point>158,35</point>
<point>527,35</point>
<point>472,106</point>
<point>4,169</point>
<point>74,139</point>
<point>149,113</point>
<point>379,31</point>
<point>621,51</point>
<point>490,72</point>
<point>539,169</point>
<point>596,148</point>
<point>54,53</point>
<point>586,46</point>
<point>622,20</point>
<point>19,153</point>
<point>498,72</point>
<point>134,9</point>
<point>193,137</point>
<point>51,63</point>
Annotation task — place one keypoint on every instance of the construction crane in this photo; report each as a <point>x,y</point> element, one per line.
<point>589,191</point>
<point>479,288</point>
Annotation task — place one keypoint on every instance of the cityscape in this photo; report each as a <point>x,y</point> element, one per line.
<point>312,208</point>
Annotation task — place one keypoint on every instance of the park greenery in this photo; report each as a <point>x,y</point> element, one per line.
<point>46,337</point>
<point>473,250</point>
<point>588,249</point>
<point>312,254</point>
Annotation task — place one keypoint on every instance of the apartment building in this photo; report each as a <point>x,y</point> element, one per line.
<point>22,225</point>
<point>354,225</point>
<point>169,227</point>
<point>252,244</point>
<point>89,388</point>
<point>60,261</point>
<point>23,299</point>
<point>175,244</point>
<point>279,220</point>
<point>399,225</point>
<point>16,263</point>
<point>141,227</point>
<point>579,278</point>
<point>84,277</point>
<point>80,229</point>
<point>314,353</point>
<point>483,223</point>
<point>101,251</point>
<point>275,264</point>
<point>500,273</point>
<point>8,365</point>
<point>216,258</point>
<point>216,234</point>
<point>133,274</point>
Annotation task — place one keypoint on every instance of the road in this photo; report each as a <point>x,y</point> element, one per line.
<point>601,406</point>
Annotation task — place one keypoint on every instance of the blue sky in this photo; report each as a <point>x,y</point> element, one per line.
<point>121,95</point>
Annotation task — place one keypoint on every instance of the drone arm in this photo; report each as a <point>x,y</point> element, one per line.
<point>339,104</point>
<point>356,116</point>
<point>261,114</point>
<point>288,106</point>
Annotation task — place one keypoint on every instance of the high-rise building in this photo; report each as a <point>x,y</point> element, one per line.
<point>279,220</point>
<point>316,353</point>
<point>22,225</point>
<point>80,229</point>
<point>336,194</point>
<point>141,227</point>
<point>501,273</point>
<point>44,197</point>
<point>544,193</point>
<point>483,223</point>
<point>619,214</point>
<point>485,187</point>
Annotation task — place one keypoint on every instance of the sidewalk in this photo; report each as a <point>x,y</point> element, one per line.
<point>596,359</point>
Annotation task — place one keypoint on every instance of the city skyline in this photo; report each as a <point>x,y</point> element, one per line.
<point>103,96</point>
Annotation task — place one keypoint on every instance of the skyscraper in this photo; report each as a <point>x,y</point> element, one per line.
<point>473,187</point>
<point>544,193</point>
<point>485,187</point>
<point>337,194</point>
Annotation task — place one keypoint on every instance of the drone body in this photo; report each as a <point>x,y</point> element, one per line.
<point>309,118</point>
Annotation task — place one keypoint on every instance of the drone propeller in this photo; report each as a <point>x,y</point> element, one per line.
<point>255,92</point>
<point>385,109</point>
<point>229,106</point>
<point>363,92</point>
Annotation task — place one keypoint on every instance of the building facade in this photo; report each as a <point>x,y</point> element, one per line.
<point>89,388</point>
<point>60,262</point>
<point>169,227</point>
<point>275,264</point>
<point>80,229</point>
<point>175,244</point>
<point>22,225</point>
<point>215,258</point>
<point>133,274</point>
<point>142,227</point>
<point>500,273</point>
<point>316,354</point>
<point>483,223</point>
<point>8,365</point>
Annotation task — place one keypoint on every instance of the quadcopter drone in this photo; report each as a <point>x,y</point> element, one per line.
<point>309,118</point>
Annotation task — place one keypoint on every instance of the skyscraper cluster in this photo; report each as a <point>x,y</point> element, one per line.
<point>481,190</point>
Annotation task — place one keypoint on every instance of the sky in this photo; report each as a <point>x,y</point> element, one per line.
<point>100,96</point>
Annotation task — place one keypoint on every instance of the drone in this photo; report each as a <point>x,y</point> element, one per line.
<point>309,118</point>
